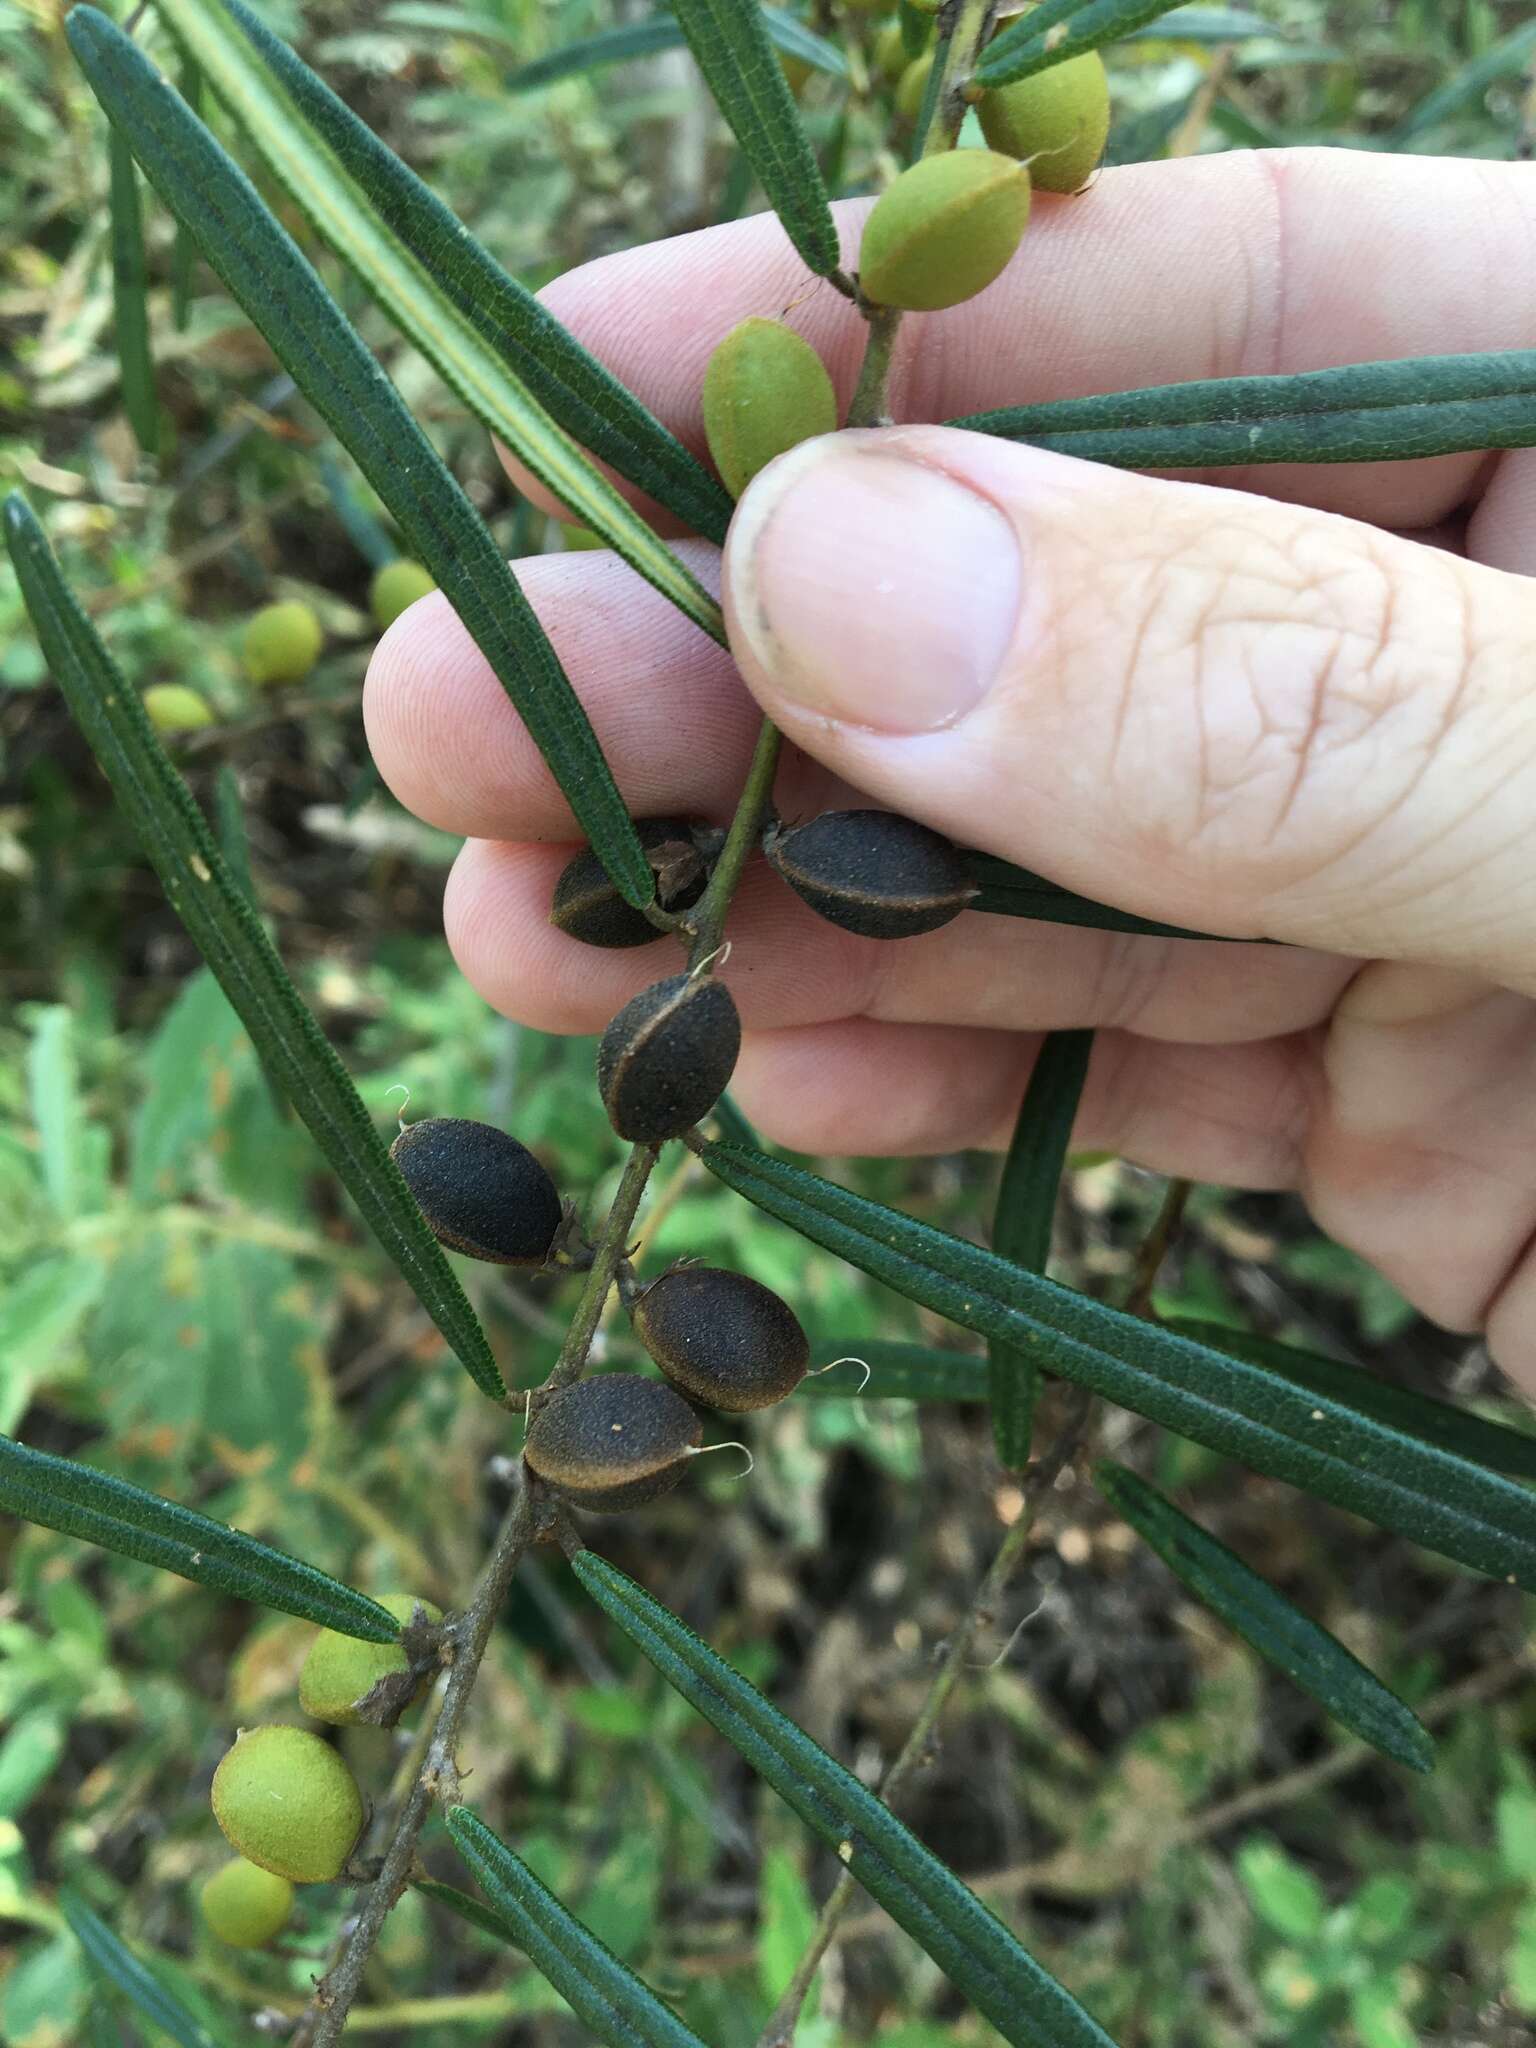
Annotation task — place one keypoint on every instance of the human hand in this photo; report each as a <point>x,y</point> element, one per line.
<point>1307,715</point>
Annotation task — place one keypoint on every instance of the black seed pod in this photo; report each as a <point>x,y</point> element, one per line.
<point>665,1059</point>
<point>481,1191</point>
<point>722,1338</point>
<point>613,1442</point>
<point>587,906</point>
<point>872,872</point>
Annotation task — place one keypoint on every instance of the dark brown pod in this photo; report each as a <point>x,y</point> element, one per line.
<point>587,906</point>
<point>613,1442</point>
<point>872,872</point>
<point>723,1339</point>
<point>480,1190</point>
<point>665,1059</point>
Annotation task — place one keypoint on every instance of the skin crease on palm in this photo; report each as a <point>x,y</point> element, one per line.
<point>1295,703</point>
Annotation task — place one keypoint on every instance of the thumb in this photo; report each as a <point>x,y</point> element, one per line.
<point>1203,706</point>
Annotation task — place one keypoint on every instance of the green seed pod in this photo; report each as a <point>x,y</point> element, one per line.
<point>872,872</point>
<point>889,54</point>
<point>765,390</point>
<point>613,1442</point>
<point>172,708</point>
<point>665,1059</point>
<point>723,1339</point>
<point>944,230</point>
<point>245,1905</point>
<point>482,1192</point>
<point>912,84</point>
<point>281,643</point>
<point>287,1802</point>
<point>587,906</point>
<point>1057,121</point>
<point>340,1671</point>
<point>395,588</point>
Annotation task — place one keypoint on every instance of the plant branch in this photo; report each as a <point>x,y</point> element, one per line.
<point>972,25</point>
<point>707,919</point>
<point>1154,1249</point>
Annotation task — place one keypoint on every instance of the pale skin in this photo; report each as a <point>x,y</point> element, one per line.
<point>1293,703</point>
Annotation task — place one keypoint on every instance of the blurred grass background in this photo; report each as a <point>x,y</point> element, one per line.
<point>184,1295</point>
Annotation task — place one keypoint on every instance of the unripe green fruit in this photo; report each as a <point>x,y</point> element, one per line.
<point>581,540</point>
<point>340,1671</point>
<point>872,872</point>
<point>889,54</point>
<point>665,1059</point>
<point>944,230</point>
<point>173,708</point>
<point>912,85</point>
<point>287,1802</point>
<point>588,907</point>
<point>722,1338</point>
<point>281,643</point>
<point>245,1905</point>
<point>481,1192</point>
<point>395,588</point>
<point>765,390</point>
<point>1057,120</point>
<point>614,1442</point>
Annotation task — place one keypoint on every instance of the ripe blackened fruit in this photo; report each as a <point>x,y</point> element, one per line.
<point>872,872</point>
<point>665,1059</point>
<point>588,907</point>
<point>613,1442</point>
<point>481,1192</point>
<point>722,1338</point>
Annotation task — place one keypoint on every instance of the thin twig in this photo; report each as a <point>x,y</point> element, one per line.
<point>1149,1260</point>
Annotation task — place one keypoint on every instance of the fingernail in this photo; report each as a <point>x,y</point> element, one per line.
<point>872,587</point>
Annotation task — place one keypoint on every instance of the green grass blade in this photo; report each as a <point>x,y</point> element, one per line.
<point>1308,1655</point>
<point>210,902</point>
<point>571,385</point>
<point>599,1989</point>
<point>75,1499</point>
<point>1004,890</point>
<point>266,273</point>
<point>973,1948</point>
<point>620,45</point>
<point>897,1372</point>
<point>184,255</point>
<point>130,300</point>
<point>110,1955</point>
<point>1059,29</point>
<point>1021,1223</point>
<point>732,48</point>
<point>1241,1410</point>
<point>433,319</point>
<point>1395,411</point>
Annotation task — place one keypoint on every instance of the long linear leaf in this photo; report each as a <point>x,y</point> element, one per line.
<point>1394,411</point>
<point>1059,29</point>
<point>266,273</point>
<point>790,34</point>
<point>1469,83</point>
<point>973,1948</point>
<point>1021,1222</point>
<point>59,1493</point>
<point>599,1989</point>
<point>475,1911</point>
<point>572,386</point>
<point>184,254</point>
<point>1008,891</point>
<point>1468,1436</point>
<point>130,300</point>
<point>1313,1440</point>
<point>621,45</point>
<point>1315,1660</point>
<point>117,1962</point>
<point>732,48</point>
<point>897,1372</point>
<point>428,315</point>
<point>210,902</point>
<point>1204,25</point>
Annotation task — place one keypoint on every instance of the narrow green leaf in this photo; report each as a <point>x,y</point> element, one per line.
<point>376,547</point>
<point>1467,1436</point>
<point>733,1124</point>
<point>929,105</point>
<point>1059,29</point>
<point>790,34</point>
<point>75,1499</point>
<point>1204,25</point>
<point>229,814</point>
<point>1244,1411</point>
<point>731,46</point>
<point>599,1989</point>
<point>1395,411</point>
<point>1021,1223</point>
<point>974,1949</point>
<point>184,254</point>
<point>572,386</point>
<point>431,317</point>
<point>645,38</point>
<point>438,19</point>
<point>1308,1655</point>
<point>916,27</point>
<point>475,1911</point>
<point>210,903</point>
<point>1501,60</point>
<point>897,1372</point>
<point>1008,891</point>
<point>265,272</point>
<point>130,300</point>
<point>109,1954</point>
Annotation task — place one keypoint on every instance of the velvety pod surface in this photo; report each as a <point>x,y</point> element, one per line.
<point>1057,120</point>
<point>245,1905</point>
<point>480,1190</point>
<point>944,230</point>
<point>339,1670</point>
<point>612,1442</point>
<point>873,872</point>
<point>723,1338</point>
<point>587,906</point>
<point>765,390</point>
<point>281,643</point>
<point>287,1802</point>
<point>665,1059</point>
